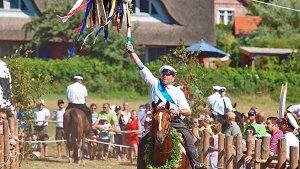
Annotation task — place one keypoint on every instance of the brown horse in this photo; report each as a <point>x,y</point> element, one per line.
<point>163,143</point>
<point>76,126</point>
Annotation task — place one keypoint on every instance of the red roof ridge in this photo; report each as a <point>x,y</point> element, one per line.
<point>245,24</point>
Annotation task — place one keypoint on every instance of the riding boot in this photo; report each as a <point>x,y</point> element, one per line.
<point>194,161</point>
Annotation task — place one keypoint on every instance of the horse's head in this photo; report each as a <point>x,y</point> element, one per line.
<point>161,122</point>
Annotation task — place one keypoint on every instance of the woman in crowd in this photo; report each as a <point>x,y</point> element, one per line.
<point>93,145</point>
<point>132,131</point>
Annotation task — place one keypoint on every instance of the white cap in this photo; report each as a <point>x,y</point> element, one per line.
<point>216,87</point>
<point>292,120</point>
<point>78,77</point>
<point>12,141</point>
<point>205,117</point>
<point>168,68</point>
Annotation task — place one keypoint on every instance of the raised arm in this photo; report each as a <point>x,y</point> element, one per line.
<point>144,71</point>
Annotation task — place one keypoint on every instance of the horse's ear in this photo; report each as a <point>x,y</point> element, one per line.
<point>153,105</point>
<point>167,105</point>
<point>234,105</point>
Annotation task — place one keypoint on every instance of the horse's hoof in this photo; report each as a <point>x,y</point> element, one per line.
<point>69,159</point>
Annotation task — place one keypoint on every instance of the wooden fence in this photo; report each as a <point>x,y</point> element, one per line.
<point>230,154</point>
<point>9,159</point>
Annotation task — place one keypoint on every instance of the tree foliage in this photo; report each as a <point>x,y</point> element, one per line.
<point>279,27</point>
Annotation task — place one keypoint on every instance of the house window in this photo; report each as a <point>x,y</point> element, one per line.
<point>14,4</point>
<point>225,16</point>
<point>1,3</point>
<point>144,6</point>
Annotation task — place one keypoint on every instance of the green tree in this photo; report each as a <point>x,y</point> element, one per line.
<point>279,27</point>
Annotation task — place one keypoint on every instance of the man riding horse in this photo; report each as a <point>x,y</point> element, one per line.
<point>76,95</point>
<point>162,91</point>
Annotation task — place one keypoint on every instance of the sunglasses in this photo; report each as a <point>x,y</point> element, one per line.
<point>195,122</point>
<point>250,131</point>
<point>167,72</point>
<point>94,108</point>
<point>13,145</point>
<point>251,114</point>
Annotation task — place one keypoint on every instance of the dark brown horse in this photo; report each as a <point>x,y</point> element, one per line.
<point>163,143</point>
<point>76,126</point>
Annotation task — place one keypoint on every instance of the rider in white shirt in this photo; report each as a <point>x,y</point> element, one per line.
<point>213,97</point>
<point>161,91</point>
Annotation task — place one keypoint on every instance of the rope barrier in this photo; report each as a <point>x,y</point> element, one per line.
<point>90,140</point>
<point>297,10</point>
<point>10,159</point>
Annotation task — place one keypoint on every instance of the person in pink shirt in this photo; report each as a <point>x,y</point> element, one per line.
<point>272,127</point>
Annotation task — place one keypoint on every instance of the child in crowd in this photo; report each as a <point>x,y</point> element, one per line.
<point>104,128</point>
<point>36,146</point>
<point>213,155</point>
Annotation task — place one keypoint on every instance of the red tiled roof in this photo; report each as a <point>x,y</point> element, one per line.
<point>245,24</point>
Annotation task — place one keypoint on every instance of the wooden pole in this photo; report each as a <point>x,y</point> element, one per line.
<point>17,148</point>
<point>201,148</point>
<point>11,122</point>
<point>239,152</point>
<point>294,157</point>
<point>265,150</point>
<point>221,150</point>
<point>257,153</point>
<point>229,152</point>
<point>281,153</point>
<point>206,138</point>
<point>6,138</point>
<point>249,152</point>
<point>1,149</point>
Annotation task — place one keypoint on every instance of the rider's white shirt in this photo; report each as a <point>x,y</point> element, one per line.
<point>76,93</point>
<point>211,99</point>
<point>291,140</point>
<point>218,106</point>
<point>175,92</point>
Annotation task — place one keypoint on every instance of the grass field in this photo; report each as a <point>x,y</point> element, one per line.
<point>264,103</point>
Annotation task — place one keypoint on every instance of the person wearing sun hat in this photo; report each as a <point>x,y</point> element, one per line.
<point>213,97</point>
<point>288,124</point>
<point>161,92</point>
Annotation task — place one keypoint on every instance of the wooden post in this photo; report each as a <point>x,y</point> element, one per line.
<point>206,138</point>
<point>281,153</point>
<point>6,138</point>
<point>229,152</point>
<point>239,152</point>
<point>1,149</point>
<point>249,152</point>
<point>11,122</point>
<point>200,150</point>
<point>221,151</point>
<point>294,157</point>
<point>265,150</point>
<point>17,148</point>
<point>257,153</point>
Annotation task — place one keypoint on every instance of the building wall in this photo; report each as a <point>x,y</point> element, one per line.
<point>238,6</point>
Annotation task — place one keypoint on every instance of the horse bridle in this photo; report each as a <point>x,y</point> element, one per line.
<point>165,136</point>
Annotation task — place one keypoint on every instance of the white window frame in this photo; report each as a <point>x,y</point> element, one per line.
<point>6,11</point>
<point>225,15</point>
<point>147,17</point>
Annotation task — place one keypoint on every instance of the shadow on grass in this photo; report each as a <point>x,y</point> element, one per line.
<point>47,160</point>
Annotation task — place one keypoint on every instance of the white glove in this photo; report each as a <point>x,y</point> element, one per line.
<point>129,48</point>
